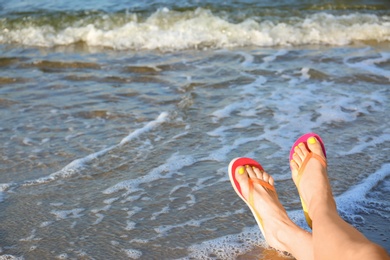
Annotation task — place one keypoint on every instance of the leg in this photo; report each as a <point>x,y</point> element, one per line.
<point>333,238</point>
<point>280,232</point>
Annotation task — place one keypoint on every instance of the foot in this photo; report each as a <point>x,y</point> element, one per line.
<point>277,227</point>
<point>313,184</point>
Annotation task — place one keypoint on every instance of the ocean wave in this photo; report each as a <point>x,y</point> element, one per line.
<point>76,165</point>
<point>169,30</point>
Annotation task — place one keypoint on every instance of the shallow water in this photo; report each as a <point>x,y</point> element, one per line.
<point>123,152</point>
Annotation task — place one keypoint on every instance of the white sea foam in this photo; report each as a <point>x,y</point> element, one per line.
<point>248,59</point>
<point>165,170</point>
<point>365,144</point>
<point>289,107</point>
<point>99,218</point>
<point>163,229</point>
<point>75,166</point>
<point>228,247</point>
<point>249,106</point>
<point>10,257</point>
<point>3,188</point>
<point>172,30</point>
<point>163,117</point>
<point>110,201</point>
<point>359,192</point>
<point>31,237</point>
<point>130,225</point>
<point>370,65</point>
<point>132,253</point>
<point>63,256</point>
<point>273,57</point>
<point>45,224</point>
<point>163,211</point>
<point>64,214</point>
<point>134,210</point>
<point>28,141</point>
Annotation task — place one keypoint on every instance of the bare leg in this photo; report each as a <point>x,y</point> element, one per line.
<point>280,232</point>
<point>333,238</point>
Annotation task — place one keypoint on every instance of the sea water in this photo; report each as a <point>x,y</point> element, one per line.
<point>119,119</point>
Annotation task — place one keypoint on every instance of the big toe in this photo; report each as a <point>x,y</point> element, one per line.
<point>241,174</point>
<point>315,146</point>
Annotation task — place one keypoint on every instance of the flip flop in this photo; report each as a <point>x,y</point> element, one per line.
<point>303,139</point>
<point>243,161</point>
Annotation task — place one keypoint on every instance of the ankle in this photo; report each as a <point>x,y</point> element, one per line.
<point>281,230</point>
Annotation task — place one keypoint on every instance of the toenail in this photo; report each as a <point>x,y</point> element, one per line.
<point>254,168</point>
<point>300,144</point>
<point>311,140</point>
<point>241,170</point>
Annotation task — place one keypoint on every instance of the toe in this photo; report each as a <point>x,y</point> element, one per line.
<point>266,177</point>
<point>297,159</point>
<point>294,165</point>
<point>315,146</point>
<point>242,177</point>
<point>241,174</point>
<point>301,150</point>
<point>251,172</point>
<point>271,180</point>
<point>258,173</point>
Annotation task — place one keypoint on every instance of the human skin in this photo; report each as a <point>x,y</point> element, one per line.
<point>280,231</point>
<point>332,237</point>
